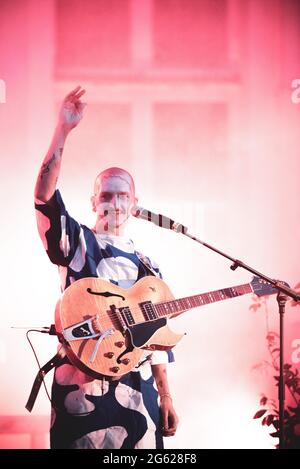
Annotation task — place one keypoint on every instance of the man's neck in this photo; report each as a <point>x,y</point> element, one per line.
<point>103,228</point>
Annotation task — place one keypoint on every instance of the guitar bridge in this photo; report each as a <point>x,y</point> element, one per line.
<point>116,312</point>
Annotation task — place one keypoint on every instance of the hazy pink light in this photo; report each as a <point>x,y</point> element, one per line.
<point>196,100</point>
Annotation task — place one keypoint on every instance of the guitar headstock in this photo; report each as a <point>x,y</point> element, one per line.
<point>261,288</point>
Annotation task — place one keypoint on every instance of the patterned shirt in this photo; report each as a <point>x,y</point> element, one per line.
<point>88,412</point>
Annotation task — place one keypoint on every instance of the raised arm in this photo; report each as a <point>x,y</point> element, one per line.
<point>69,116</point>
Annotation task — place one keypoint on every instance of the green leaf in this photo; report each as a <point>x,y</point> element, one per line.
<point>260,413</point>
<point>269,419</point>
<point>263,400</point>
<point>275,424</point>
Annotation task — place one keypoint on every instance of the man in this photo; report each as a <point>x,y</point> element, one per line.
<point>105,412</point>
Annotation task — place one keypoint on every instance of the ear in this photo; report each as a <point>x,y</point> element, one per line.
<point>93,203</point>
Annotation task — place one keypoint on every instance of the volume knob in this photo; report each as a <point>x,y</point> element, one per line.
<point>119,344</point>
<point>115,369</point>
<point>126,361</point>
<point>109,354</point>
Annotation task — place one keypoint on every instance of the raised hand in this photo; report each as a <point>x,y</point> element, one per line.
<point>71,111</point>
<point>70,114</point>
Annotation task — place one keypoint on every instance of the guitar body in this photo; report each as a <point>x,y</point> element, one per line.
<point>120,317</point>
<point>105,329</point>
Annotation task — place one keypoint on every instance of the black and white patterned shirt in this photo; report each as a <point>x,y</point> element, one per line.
<point>90,413</point>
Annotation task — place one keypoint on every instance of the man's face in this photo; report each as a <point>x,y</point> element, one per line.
<point>112,202</point>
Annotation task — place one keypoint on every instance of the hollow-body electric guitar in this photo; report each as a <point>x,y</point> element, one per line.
<point>106,329</point>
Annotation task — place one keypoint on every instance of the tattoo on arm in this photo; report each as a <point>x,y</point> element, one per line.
<point>46,166</point>
<point>159,384</point>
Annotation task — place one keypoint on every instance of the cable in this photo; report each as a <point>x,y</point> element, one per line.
<point>37,360</point>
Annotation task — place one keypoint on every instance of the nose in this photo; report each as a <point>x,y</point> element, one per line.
<point>116,201</point>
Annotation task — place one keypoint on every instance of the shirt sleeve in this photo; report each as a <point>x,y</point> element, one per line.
<point>155,268</point>
<point>59,232</point>
<point>160,357</point>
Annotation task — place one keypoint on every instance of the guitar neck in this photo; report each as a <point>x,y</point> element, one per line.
<point>170,308</point>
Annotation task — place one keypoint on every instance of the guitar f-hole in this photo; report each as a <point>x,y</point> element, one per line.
<point>129,348</point>
<point>106,294</point>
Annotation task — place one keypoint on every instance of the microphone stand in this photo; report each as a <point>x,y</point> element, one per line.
<point>283,292</point>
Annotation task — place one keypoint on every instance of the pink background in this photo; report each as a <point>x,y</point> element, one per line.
<point>194,98</point>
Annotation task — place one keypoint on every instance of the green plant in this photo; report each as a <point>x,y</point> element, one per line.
<point>269,412</point>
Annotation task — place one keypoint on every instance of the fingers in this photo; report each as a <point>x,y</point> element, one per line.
<point>78,95</point>
<point>169,431</point>
<point>169,422</point>
<point>170,426</point>
<point>75,94</point>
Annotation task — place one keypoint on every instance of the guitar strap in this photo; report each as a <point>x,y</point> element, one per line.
<point>55,361</point>
<point>146,262</point>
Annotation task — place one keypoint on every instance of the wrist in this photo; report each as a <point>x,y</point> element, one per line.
<point>165,395</point>
<point>63,129</point>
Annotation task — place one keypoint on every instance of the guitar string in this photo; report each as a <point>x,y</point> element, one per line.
<point>166,304</point>
<point>115,316</point>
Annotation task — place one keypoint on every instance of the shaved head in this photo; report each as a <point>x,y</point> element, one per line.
<point>114,172</point>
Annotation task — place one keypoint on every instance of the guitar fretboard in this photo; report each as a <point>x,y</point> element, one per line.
<point>183,304</point>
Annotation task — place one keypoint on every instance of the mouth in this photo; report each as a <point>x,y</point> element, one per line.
<point>113,212</point>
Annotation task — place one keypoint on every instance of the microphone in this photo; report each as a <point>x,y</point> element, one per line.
<point>158,219</point>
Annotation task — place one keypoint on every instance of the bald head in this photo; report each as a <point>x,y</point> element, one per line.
<point>114,172</point>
